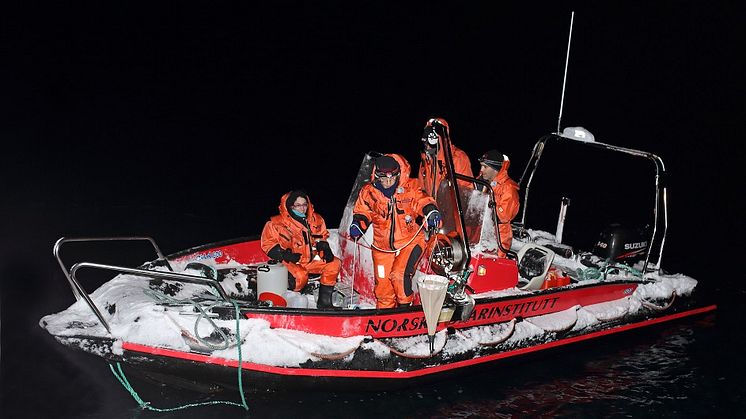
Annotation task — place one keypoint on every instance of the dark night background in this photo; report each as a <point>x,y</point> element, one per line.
<point>187,123</point>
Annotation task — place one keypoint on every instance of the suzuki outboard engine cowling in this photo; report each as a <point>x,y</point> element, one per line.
<point>622,244</point>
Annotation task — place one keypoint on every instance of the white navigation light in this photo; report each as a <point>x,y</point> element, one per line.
<point>579,134</point>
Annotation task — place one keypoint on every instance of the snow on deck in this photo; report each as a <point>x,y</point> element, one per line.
<point>128,305</point>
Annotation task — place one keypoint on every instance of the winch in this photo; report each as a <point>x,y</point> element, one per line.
<point>448,254</point>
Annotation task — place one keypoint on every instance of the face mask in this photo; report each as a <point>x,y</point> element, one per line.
<point>298,213</point>
<point>388,192</point>
<point>430,137</point>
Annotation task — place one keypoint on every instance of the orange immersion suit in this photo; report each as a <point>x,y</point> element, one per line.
<point>433,167</point>
<point>507,204</point>
<point>285,232</point>
<point>396,222</point>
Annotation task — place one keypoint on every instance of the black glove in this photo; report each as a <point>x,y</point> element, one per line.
<point>428,208</point>
<point>289,256</point>
<point>325,252</point>
<point>286,255</point>
<point>433,215</point>
<point>433,219</point>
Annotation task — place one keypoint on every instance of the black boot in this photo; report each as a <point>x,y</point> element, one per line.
<point>325,296</point>
<point>291,282</point>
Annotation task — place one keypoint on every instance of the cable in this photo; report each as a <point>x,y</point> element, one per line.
<point>424,223</point>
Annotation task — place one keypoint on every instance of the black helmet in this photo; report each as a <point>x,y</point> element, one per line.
<point>387,166</point>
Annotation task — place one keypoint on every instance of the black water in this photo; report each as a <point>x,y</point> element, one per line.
<point>188,122</point>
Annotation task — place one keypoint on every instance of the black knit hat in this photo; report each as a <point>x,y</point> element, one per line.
<point>387,166</point>
<point>493,159</point>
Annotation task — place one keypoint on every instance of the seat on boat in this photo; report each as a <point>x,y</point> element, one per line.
<point>533,264</point>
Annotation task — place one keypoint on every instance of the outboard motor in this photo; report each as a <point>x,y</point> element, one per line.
<point>622,244</point>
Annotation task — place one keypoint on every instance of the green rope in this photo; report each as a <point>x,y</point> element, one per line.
<point>596,273</point>
<point>629,269</point>
<point>119,374</point>
<point>161,297</point>
<point>588,273</point>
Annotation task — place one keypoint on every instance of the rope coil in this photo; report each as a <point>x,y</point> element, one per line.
<point>406,355</point>
<point>328,357</point>
<point>119,374</point>
<point>592,273</point>
<point>161,297</point>
<point>655,307</point>
<point>608,318</point>
<point>499,340</point>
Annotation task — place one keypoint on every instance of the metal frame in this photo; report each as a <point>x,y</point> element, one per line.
<point>446,144</point>
<point>661,196</point>
<point>79,292</point>
<point>493,204</point>
<point>140,272</point>
<point>62,240</point>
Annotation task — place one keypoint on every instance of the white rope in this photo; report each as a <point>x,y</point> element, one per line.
<point>654,307</point>
<point>502,338</point>
<point>424,223</point>
<point>160,297</point>
<point>329,357</point>
<point>354,274</point>
<point>395,351</point>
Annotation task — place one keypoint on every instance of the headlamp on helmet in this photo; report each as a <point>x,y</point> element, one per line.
<point>387,173</point>
<point>386,167</point>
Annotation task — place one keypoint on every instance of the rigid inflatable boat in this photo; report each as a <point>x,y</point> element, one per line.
<point>214,313</point>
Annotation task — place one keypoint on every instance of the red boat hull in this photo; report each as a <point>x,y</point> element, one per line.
<point>411,321</point>
<point>285,377</point>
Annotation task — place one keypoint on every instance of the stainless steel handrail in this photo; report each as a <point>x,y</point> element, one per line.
<point>63,240</point>
<point>141,272</point>
<point>661,195</point>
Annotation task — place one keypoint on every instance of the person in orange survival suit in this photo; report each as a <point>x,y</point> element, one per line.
<point>433,159</point>
<point>494,169</point>
<point>394,204</point>
<point>297,237</point>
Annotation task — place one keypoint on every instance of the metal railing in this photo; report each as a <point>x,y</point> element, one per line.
<point>58,246</point>
<point>139,272</point>
<point>79,292</point>
<point>660,221</point>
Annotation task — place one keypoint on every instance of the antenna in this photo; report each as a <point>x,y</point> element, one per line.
<point>564,80</point>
